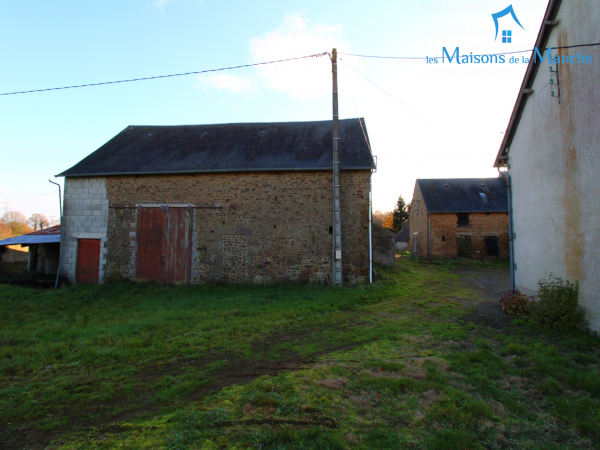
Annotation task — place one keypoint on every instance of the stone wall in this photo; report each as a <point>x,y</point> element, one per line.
<point>445,233</point>
<point>384,246</point>
<point>418,225</point>
<point>249,227</point>
<point>15,254</point>
<point>85,216</point>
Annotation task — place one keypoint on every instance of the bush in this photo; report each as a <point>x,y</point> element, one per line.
<point>514,303</point>
<point>557,306</point>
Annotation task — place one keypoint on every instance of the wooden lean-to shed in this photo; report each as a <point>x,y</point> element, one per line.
<point>243,203</point>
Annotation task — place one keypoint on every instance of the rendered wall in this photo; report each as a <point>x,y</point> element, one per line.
<point>555,167</point>
<point>249,227</point>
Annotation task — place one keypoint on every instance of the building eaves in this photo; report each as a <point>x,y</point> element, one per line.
<point>528,79</point>
<point>46,236</point>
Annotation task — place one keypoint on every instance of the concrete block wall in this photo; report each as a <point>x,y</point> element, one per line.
<point>85,216</point>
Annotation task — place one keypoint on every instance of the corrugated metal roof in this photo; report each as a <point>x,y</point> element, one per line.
<point>46,236</point>
<point>455,195</point>
<point>227,148</point>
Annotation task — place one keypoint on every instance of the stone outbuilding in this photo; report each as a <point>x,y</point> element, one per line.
<point>551,155</point>
<point>243,203</point>
<point>403,239</point>
<point>459,218</point>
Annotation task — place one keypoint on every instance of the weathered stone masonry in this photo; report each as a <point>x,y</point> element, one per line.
<point>255,227</point>
<point>445,231</point>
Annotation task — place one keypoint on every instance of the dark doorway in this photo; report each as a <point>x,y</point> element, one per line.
<point>464,246</point>
<point>164,244</point>
<point>491,246</point>
<point>88,261</point>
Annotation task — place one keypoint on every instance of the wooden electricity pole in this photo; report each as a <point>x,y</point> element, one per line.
<point>337,214</point>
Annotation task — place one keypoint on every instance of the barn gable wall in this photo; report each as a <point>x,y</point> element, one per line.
<point>254,227</point>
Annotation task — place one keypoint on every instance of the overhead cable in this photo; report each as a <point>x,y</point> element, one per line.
<point>165,76</point>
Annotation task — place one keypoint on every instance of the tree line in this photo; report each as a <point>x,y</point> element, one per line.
<point>394,220</point>
<point>14,223</point>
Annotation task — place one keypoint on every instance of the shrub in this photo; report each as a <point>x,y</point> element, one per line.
<point>514,303</point>
<point>557,306</point>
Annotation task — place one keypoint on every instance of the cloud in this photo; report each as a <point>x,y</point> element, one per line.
<point>297,36</point>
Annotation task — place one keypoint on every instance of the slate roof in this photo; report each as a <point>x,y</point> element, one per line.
<point>403,235</point>
<point>227,148</point>
<point>455,195</point>
<point>46,236</point>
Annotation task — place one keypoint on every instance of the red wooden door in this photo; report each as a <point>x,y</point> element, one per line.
<point>164,238</point>
<point>88,261</point>
<point>150,229</point>
<point>176,246</point>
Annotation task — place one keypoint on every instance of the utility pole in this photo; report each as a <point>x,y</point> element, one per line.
<point>337,206</point>
<point>5,205</point>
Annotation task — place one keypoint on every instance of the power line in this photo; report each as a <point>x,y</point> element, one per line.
<point>385,92</point>
<point>165,76</point>
<point>488,54</point>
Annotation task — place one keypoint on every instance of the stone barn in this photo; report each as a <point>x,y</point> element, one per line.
<point>240,203</point>
<point>460,218</point>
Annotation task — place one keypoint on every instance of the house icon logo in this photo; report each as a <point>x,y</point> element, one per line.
<point>506,34</point>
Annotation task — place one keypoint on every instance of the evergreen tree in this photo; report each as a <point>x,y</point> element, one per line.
<point>400,214</point>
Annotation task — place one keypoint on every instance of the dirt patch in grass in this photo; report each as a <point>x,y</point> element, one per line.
<point>233,371</point>
<point>489,285</point>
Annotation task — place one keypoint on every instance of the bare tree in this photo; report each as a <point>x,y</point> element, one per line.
<point>38,221</point>
<point>4,230</point>
<point>382,218</point>
<point>17,223</point>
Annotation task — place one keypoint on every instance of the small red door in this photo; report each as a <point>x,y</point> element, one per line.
<point>88,261</point>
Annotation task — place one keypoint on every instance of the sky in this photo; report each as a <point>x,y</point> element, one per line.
<point>424,120</point>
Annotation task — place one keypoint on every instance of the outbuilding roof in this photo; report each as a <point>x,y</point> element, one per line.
<point>469,195</point>
<point>46,236</point>
<point>228,148</point>
<point>403,235</point>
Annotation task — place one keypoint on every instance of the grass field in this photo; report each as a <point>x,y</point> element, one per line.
<point>382,366</point>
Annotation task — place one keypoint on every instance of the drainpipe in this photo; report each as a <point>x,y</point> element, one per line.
<point>511,242</point>
<point>60,208</point>
<point>429,234</point>
<point>370,235</point>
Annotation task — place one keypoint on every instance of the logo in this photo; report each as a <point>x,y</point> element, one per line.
<point>506,34</point>
<point>545,55</point>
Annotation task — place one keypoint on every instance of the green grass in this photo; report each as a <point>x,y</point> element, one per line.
<point>387,365</point>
